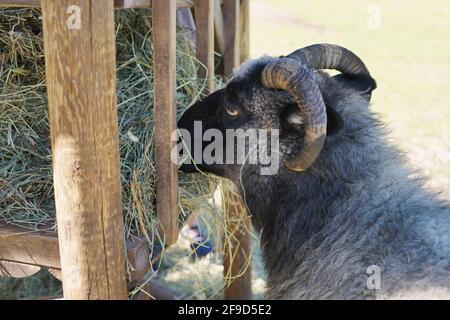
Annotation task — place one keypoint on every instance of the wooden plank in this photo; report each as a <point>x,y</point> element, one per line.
<point>237,249</point>
<point>231,19</point>
<point>20,3</point>
<point>81,84</point>
<point>118,4</point>
<point>164,62</point>
<point>237,258</point>
<point>138,255</point>
<point>17,270</point>
<point>219,28</point>
<point>204,19</point>
<point>38,248</point>
<point>245,30</point>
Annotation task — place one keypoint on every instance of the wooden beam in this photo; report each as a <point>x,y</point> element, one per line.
<point>20,3</point>
<point>37,248</point>
<point>118,4</point>
<point>81,84</point>
<point>204,19</point>
<point>138,257</point>
<point>219,28</point>
<point>244,33</point>
<point>237,257</point>
<point>24,247</point>
<point>237,249</point>
<point>231,20</point>
<point>17,270</point>
<point>165,105</point>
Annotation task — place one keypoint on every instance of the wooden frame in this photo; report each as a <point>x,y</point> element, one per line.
<point>20,247</point>
<point>118,4</point>
<point>204,19</point>
<point>231,21</point>
<point>89,253</point>
<point>39,248</point>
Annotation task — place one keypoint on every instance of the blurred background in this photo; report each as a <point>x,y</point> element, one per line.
<point>404,43</point>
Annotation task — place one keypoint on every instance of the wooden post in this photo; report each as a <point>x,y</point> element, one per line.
<point>204,19</point>
<point>244,34</point>
<point>231,19</point>
<point>79,39</point>
<point>165,104</point>
<point>219,31</point>
<point>237,249</point>
<point>237,263</point>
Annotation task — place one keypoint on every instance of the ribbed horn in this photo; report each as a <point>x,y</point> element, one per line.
<point>287,74</point>
<point>330,56</point>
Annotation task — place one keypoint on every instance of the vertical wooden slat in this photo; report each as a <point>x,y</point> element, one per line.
<point>80,68</point>
<point>237,249</point>
<point>219,31</point>
<point>164,59</point>
<point>231,20</point>
<point>204,19</point>
<point>244,33</point>
<point>237,259</point>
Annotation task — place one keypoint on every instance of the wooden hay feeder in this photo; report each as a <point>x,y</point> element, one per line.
<point>88,253</point>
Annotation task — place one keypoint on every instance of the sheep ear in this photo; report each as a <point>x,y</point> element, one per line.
<point>293,120</point>
<point>334,122</point>
<point>359,82</point>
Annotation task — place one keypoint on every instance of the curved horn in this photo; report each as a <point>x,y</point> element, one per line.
<point>330,56</point>
<point>287,74</point>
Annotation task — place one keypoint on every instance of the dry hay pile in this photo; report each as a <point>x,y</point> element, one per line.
<point>26,191</point>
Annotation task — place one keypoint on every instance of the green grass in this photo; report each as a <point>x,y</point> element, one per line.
<point>409,56</point>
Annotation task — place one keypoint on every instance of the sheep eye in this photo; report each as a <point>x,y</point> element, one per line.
<point>232,112</point>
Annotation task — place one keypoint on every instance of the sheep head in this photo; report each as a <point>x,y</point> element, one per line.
<point>279,96</point>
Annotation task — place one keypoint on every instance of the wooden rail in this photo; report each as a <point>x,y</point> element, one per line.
<point>24,252</point>
<point>37,248</point>
<point>118,4</point>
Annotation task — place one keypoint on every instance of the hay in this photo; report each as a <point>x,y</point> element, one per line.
<point>26,192</point>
